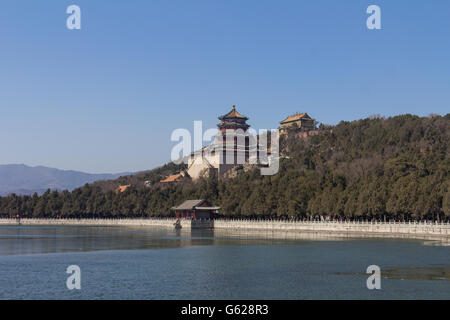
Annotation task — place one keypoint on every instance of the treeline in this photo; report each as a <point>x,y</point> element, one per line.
<point>377,168</point>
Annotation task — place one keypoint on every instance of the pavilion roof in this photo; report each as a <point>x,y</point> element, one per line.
<point>196,205</point>
<point>121,189</point>
<point>233,123</point>
<point>233,114</point>
<point>173,178</point>
<point>297,117</point>
<point>189,204</point>
<point>207,208</point>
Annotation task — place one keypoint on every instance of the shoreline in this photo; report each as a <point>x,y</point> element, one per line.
<point>268,229</point>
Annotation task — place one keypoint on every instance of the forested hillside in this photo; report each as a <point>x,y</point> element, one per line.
<point>373,168</point>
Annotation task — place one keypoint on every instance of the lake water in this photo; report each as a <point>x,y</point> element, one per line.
<point>142,263</point>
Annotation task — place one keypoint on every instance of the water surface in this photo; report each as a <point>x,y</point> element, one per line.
<point>143,263</point>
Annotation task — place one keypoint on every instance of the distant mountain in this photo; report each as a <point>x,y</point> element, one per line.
<point>25,180</point>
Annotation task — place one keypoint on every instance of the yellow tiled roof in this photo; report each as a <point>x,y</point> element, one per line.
<point>173,178</point>
<point>233,114</point>
<point>122,188</point>
<point>297,117</point>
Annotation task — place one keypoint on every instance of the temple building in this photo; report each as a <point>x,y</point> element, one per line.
<point>300,120</point>
<point>233,120</point>
<point>232,141</point>
<point>230,148</point>
<point>195,209</point>
<point>174,178</point>
<point>122,189</point>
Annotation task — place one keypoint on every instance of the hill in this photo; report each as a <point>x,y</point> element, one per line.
<point>377,168</point>
<point>25,180</point>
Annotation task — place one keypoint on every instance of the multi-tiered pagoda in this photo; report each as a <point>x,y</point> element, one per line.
<point>230,149</point>
<point>233,120</point>
<point>232,141</point>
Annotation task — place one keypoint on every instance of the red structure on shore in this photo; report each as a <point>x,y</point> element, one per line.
<point>195,209</point>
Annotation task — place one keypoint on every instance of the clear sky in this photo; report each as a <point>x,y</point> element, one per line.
<point>106,98</point>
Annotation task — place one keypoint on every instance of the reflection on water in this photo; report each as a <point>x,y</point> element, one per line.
<point>20,240</point>
<point>441,272</point>
<point>35,240</point>
<point>433,240</point>
<point>143,263</point>
<point>419,273</point>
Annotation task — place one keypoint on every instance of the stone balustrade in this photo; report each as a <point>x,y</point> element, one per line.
<point>413,228</point>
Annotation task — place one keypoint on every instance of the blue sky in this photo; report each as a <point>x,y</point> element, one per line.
<point>106,98</point>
